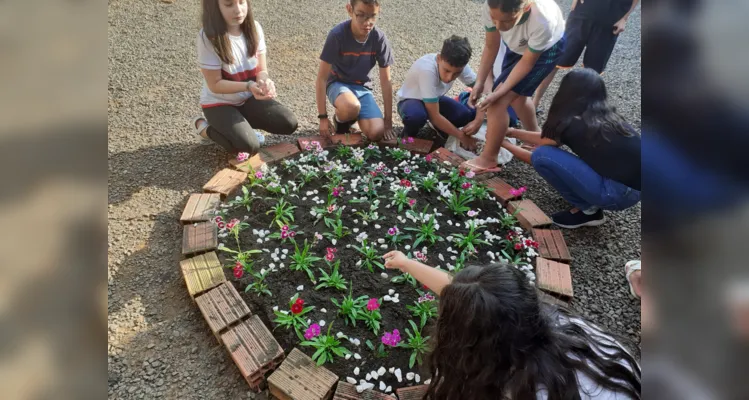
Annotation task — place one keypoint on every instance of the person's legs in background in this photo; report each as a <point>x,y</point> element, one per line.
<point>413,113</point>
<point>346,105</point>
<point>581,186</point>
<point>371,120</point>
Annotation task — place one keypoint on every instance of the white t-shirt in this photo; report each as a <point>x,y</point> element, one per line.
<point>423,80</point>
<point>243,69</point>
<point>540,30</point>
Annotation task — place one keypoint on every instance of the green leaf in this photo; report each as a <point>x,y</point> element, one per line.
<point>412,360</point>
<point>318,353</point>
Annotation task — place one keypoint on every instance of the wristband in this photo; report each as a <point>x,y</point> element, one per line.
<point>322,116</point>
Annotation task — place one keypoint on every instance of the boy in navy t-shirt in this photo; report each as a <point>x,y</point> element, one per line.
<point>351,50</point>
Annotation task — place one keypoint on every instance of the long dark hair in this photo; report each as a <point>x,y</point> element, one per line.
<point>493,339</point>
<point>215,30</point>
<point>582,96</point>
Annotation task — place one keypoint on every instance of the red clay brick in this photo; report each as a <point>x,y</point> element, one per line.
<point>299,378</point>
<point>202,273</point>
<point>554,277</point>
<point>347,391</point>
<point>225,182</point>
<point>352,139</point>
<point>500,189</point>
<point>442,154</point>
<point>222,307</point>
<point>412,392</point>
<point>199,237</point>
<point>323,140</point>
<point>547,298</point>
<point>254,350</point>
<point>266,155</point>
<point>551,245</point>
<point>529,215</point>
<point>200,207</point>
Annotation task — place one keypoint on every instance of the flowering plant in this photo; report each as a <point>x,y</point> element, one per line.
<point>372,151</point>
<point>303,260</point>
<point>508,220</point>
<point>459,202</point>
<point>283,213</point>
<point>349,307</point>
<point>405,278</point>
<point>370,258</point>
<point>424,309</point>
<point>338,231</point>
<point>427,232</point>
<point>416,343</point>
<point>371,316</point>
<point>396,237</point>
<point>258,285</point>
<point>471,240</point>
<point>398,154</point>
<point>401,199</point>
<point>390,339</point>
<point>518,192</point>
<point>371,214</point>
<point>343,151</point>
<point>328,346</point>
<point>287,233</point>
<point>295,318</point>
<point>334,279</point>
<point>245,199</point>
<point>429,183</point>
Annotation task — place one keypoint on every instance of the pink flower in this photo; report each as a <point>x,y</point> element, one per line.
<point>470,174</point>
<point>232,223</point>
<point>219,219</point>
<point>405,183</point>
<point>330,253</point>
<point>428,158</point>
<point>518,246</point>
<point>221,225</point>
<point>331,208</point>
<point>284,228</point>
<point>312,332</point>
<point>393,231</point>
<point>411,202</point>
<point>407,170</point>
<point>518,192</point>
<point>318,236</point>
<point>284,234</point>
<point>403,141</point>
<point>259,175</point>
<point>292,234</point>
<point>410,139</point>
<point>373,304</point>
<point>472,213</point>
<point>426,297</point>
<point>297,308</point>
<point>420,256</point>
<point>238,271</point>
<point>242,157</point>
<point>466,185</point>
<point>391,338</point>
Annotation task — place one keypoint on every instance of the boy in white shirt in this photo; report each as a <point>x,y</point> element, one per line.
<point>422,96</point>
<point>533,31</point>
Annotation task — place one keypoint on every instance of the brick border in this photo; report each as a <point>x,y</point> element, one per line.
<point>204,275</point>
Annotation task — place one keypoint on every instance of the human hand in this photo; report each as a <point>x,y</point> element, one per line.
<point>258,92</point>
<point>488,101</point>
<point>395,260</point>
<point>325,127</point>
<point>510,133</point>
<point>268,86</point>
<point>472,128</point>
<point>478,90</point>
<point>389,135</point>
<point>619,26</point>
<point>468,143</point>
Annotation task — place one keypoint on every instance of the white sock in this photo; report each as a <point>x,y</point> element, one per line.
<point>590,211</point>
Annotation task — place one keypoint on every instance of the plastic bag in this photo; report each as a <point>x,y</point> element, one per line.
<point>453,145</point>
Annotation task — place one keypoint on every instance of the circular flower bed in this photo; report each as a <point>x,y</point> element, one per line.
<point>304,243</point>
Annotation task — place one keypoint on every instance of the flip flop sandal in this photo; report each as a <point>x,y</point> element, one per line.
<point>629,269</point>
<point>479,170</point>
<point>199,129</point>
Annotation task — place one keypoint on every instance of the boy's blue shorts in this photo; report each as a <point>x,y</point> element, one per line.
<point>369,108</point>
<point>543,67</point>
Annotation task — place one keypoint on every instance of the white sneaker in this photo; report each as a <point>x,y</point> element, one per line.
<point>260,138</point>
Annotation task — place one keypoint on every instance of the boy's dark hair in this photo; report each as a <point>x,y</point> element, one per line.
<point>507,5</point>
<point>370,2</point>
<point>493,336</point>
<point>456,51</point>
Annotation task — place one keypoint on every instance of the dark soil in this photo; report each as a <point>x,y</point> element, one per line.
<point>283,283</point>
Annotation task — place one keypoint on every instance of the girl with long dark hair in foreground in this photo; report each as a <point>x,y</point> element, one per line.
<point>494,339</point>
<point>605,172</point>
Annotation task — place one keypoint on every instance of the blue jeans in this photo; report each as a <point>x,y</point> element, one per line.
<point>369,108</point>
<point>414,114</point>
<point>578,183</point>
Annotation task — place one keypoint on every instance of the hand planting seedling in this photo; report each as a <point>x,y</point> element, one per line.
<point>302,260</point>
<point>283,213</point>
<point>416,343</point>
<point>350,308</point>
<point>328,346</point>
<point>295,317</point>
<point>370,258</point>
<point>371,315</point>
<point>258,285</point>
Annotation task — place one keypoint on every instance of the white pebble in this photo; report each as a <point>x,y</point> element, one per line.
<point>357,356</point>
<point>369,376</point>
<point>300,288</point>
<point>283,256</point>
<point>380,240</point>
<point>285,251</point>
<point>365,386</point>
<point>396,295</point>
<point>357,342</point>
<point>356,230</point>
<point>410,376</point>
<point>387,298</point>
<point>391,369</point>
<point>347,356</point>
<point>339,335</point>
<point>391,292</point>
<point>275,308</point>
<point>260,240</point>
<point>398,375</point>
<point>374,374</point>
<point>441,257</point>
<point>396,300</point>
<point>356,371</point>
<point>334,241</point>
<point>381,371</point>
<point>356,221</point>
<point>383,246</point>
<point>322,322</point>
<point>382,386</point>
<point>388,389</point>
<point>417,378</point>
<point>351,380</point>
<point>428,381</point>
<point>384,275</point>
<point>408,247</point>
<point>323,310</point>
<point>377,226</point>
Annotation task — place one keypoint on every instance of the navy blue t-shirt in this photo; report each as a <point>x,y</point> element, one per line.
<point>352,60</point>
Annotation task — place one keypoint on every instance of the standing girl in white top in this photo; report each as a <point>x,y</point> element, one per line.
<point>238,94</point>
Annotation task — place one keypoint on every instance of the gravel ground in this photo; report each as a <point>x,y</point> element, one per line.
<point>159,345</point>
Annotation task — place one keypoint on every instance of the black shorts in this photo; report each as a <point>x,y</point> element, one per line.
<point>596,38</point>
